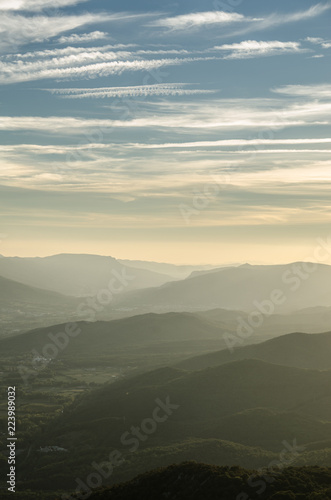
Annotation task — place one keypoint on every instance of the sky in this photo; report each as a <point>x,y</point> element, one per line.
<point>185,132</point>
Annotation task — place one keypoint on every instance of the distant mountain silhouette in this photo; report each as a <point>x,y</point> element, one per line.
<point>168,333</point>
<point>299,350</point>
<point>77,275</point>
<point>13,292</point>
<point>245,288</point>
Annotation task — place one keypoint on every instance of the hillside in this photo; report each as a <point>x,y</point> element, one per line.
<point>172,334</point>
<point>12,292</point>
<point>231,288</point>
<point>196,481</point>
<point>299,350</point>
<point>309,320</point>
<point>204,398</point>
<point>23,306</point>
<point>240,413</point>
<point>77,275</point>
<point>175,271</point>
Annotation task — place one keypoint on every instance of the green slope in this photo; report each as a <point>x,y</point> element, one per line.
<point>196,481</point>
<point>300,350</point>
<point>171,335</point>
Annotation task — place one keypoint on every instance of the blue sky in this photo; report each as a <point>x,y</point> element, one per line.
<point>181,131</point>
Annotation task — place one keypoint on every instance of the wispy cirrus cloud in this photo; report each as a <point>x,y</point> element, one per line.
<point>36,5</point>
<point>85,65</point>
<point>158,89</point>
<point>84,37</point>
<point>205,116</point>
<point>253,48</point>
<point>18,30</point>
<point>92,62</point>
<point>63,52</point>
<point>325,44</point>
<point>321,91</point>
<point>198,19</point>
<point>206,19</point>
<point>234,143</point>
<point>273,20</point>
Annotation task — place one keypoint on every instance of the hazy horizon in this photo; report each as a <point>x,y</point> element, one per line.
<point>175,263</point>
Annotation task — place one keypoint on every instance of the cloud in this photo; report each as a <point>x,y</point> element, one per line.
<point>85,37</point>
<point>84,65</point>
<point>162,89</point>
<point>274,20</point>
<point>322,91</point>
<point>325,44</point>
<point>92,62</point>
<point>190,148</point>
<point>18,30</point>
<point>205,116</point>
<point>252,48</point>
<point>195,20</point>
<point>235,143</point>
<point>36,5</point>
<point>66,51</point>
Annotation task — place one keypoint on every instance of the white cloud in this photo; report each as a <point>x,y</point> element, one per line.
<point>135,91</point>
<point>325,44</point>
<point>322,91</point>
<point>314,11</point>
<point>36,5</point>
<point>274,20</point>
<point>84,65</point>
<point>234,143</point>
<point>253,48</point>
<point>18,30</point>
<point>198,19</point>
<point>66,51</point>
<point>203,116</point>
<point>190,148</point>
<point>84,37</point>
<point>92,62</point>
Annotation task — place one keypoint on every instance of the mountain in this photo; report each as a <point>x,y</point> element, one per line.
<point>309,320</point>
<point>175,271</point>
<point>13,292</point>
<point>301,350</point>
<point>201,400</point>
<point>264,290</point>
<point>170,334</point>
<point>77,275</point>
<point>242,413</point>
<point>266,428</point>
<point>22,306</point>
<point>198,481</point>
